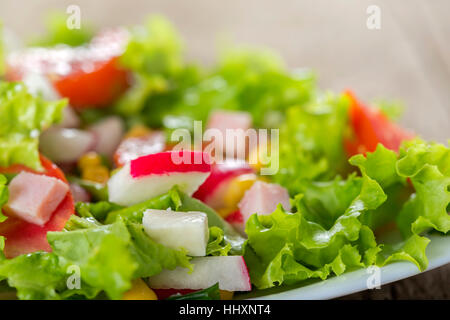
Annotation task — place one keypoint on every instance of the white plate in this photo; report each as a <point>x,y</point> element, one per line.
<point>438,253</point>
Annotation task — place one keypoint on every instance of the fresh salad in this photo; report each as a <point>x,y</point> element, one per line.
<point>101,199</point>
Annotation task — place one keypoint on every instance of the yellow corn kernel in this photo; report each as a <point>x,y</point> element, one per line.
<point>139,291</point>
<point>98,174</point>
<point>137,131</point>
<point>226,295</point>
<point>236,189</point>
<point>90,159</point>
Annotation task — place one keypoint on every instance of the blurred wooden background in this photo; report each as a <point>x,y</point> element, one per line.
<point>407,59</point>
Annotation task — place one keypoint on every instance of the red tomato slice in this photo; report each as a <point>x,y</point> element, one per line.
<point>97,88</point>
<point>371,127</point>
<point>23,237</point>
<point>89,76</point>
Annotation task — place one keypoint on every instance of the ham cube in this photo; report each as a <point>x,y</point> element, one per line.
<point>34,197</point>
<point>237,123</point>
<point>263,198</point>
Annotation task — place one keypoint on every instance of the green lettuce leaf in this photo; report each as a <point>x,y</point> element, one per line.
<point>331,228</point>
<point>97,210</point>
<point>428,168</point>
<point>169,92</point>
<point>135,212</point>
<point>285,247</point>
<point>112,255</point>
<point>380,165</point>
<point>154,48</point>
<point>251,80</point>
<point>217,246</point>
<point>417,209</point>
<point>107,257</point>
<point>97,252</point>
<point>412,249</point>
<point>22,118</point>
<point>311,141</point>
<point>35,276</point>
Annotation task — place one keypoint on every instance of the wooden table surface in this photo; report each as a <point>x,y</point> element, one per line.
<point>407,59</point>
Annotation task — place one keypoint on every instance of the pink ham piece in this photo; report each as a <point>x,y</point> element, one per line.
<point>232,120</point>
<point>34,197</point>
<point>263,198</point>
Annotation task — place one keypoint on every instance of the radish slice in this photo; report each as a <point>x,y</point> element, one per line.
<point>133,148</point>
<point>63,145</point>
<point>212,190</point>
<point>109,132</point>
<point>188,230</point>
<point>229,271</point>
<point>155,174</point>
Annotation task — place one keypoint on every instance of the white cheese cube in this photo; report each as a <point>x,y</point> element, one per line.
<point>176,230</point>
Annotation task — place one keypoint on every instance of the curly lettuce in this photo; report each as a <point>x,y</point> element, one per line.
<point>169,92</point>
<point>107,257</point>
<point>217,246</point>
<point>331,229</point>
<point>22,118</point>
<point>251,80</point>
<point>311,142</point>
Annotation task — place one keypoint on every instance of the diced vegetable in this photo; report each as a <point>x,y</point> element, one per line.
<point>155,174</point>
<point>187,230</point>
<point>34,197</point>
<point>230,272</point>
<point>54,140</point>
